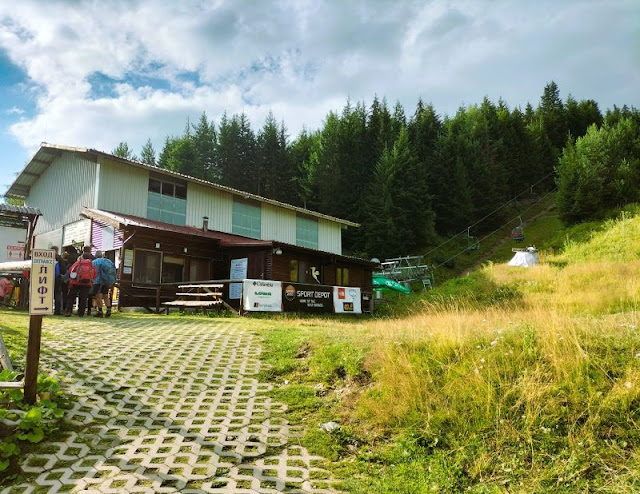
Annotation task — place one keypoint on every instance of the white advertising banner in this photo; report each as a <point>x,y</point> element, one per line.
<point>262,295</point>
<point>238,271</point>
<point>12,242</point>
<point>78,232</point>
<point>347,300</point>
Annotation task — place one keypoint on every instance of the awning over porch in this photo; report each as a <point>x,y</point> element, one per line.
<point>120,220</point>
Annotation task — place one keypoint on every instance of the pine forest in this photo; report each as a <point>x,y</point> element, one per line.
<point>412,179</point>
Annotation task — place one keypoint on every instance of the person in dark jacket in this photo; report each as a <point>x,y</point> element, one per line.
<point>59,294</point>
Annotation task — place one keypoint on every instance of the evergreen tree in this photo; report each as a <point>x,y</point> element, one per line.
<point>235,153</point>
<point>271,161</point>
<point>148,153</point>
<point>601,171</point>
<point>450,185</point>
<point>303,155</point>
<point>399,219</point>
<point>247,161</point>
<point>205,142</point>
<point>179,155</point>
<point>122,150</point>
<point>553,115</point>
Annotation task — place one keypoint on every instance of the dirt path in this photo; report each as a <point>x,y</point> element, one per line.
<point>166,405</point>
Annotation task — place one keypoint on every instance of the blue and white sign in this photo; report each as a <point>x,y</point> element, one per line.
<point>238,271</point>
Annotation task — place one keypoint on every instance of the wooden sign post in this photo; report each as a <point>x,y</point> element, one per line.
<point>42,282</point>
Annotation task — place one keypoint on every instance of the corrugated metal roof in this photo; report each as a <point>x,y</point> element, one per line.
<point>119,220</point>
<point>36,167</point>
<point>48,152</point>
<point>26,210</point>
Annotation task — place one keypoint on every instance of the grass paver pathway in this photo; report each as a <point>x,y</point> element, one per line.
<point>164,404</point>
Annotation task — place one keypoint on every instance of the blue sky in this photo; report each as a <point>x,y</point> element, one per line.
<point>92,74</point>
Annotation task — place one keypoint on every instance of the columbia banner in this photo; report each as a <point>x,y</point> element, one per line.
<point>261,296</point>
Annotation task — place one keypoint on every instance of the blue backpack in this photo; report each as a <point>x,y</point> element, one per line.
<point>107,273</point>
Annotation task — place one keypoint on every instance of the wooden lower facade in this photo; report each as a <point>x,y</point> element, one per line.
<point>153,258</point>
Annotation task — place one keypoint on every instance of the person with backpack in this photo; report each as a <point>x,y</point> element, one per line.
<point>105,279</point>
<point>81,276</point>
<point>59,292</point>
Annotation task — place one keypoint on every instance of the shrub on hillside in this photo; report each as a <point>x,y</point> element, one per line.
<point>600,171</point>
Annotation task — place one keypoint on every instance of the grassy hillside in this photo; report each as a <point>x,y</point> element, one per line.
<point>502,380</point>
<point>453,258</point>
<point>506,380</point>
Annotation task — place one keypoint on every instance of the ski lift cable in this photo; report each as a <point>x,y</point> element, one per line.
<point>493,212</point>
<point>496,230</point>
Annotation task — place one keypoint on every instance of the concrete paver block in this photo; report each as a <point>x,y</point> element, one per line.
<point>167,405</point>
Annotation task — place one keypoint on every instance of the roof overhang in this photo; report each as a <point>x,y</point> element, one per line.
<point>123,221</point>
<point>34,169</point>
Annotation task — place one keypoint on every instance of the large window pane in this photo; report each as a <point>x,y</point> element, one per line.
<point>154,201</point>
<point>246,219</point>
<point>167,200</point>
<point>146,266</point>
<point>155,185</point>
<point>307,232</point>
<point>181,191</point>
<point>168,189</point>
<point>293,271</point>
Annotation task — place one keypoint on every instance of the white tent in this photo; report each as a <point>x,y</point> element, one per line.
<point>525,258</point>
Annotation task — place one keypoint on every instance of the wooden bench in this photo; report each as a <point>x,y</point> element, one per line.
<point>206,295</point>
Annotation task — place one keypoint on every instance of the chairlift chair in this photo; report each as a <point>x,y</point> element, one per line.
<point>517,233</point>
<point>472,242</point>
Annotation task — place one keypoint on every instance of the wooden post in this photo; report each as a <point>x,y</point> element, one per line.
<point>33,359</point>
<point>158,288</point>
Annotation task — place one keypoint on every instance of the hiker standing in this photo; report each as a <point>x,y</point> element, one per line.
<point>59,293</point>
<point>86,254</point>
<point>81,276</point>
<point>105,279</point>
<point>70,256</point>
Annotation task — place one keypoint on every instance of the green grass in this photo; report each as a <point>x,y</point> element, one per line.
<point>500,380</point>
<point>504,380</point>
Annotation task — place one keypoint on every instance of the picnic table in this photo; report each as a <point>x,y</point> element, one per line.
<point>200,296</point>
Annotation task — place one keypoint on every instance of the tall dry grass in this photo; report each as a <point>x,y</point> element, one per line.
<point>553,377</point>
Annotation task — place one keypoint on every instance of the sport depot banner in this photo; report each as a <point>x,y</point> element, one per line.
<point>276,296</point>
<point>262,295</point>
<point>297,297</point>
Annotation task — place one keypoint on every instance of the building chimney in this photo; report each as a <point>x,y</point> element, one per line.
<point>205,223</point>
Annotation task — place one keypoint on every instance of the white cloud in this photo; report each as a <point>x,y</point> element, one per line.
<point>14,111</point>
<point>300,59</point>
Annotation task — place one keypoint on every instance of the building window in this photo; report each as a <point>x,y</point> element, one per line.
<point>246,219</point>
<point>172,269</point>
<point>342,276</point>
<point>293,271</point>
<point>307,232</point>
<point>167,200</point>
<point>147,266</point>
